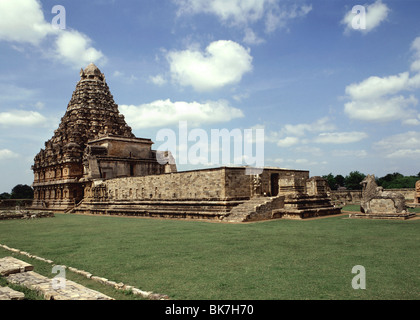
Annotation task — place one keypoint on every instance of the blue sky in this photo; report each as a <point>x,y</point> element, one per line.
<point>330,98</point>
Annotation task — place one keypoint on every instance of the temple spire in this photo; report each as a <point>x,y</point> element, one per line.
<point>92,72</point>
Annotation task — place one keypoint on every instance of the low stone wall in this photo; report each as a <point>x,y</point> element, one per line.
<point>345,197</point>
<point>12,214</point>
<point>12,203</point>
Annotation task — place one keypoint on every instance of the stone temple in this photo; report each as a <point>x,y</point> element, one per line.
<point>95,165</point>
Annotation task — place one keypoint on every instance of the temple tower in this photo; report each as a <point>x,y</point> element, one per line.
<point>61,169</point>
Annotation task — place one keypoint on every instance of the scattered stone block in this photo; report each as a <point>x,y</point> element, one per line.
<point>7,293</point>
<point>44,286</point>
<point>10,265</point>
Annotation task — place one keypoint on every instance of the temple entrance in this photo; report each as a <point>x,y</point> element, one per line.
<point>275,184</point>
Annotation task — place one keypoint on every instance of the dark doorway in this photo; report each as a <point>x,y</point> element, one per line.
<point>274,184</point>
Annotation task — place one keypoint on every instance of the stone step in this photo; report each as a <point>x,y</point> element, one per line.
<point>7,293</point>
<point>10,265</point>
<point>242,211</point>
<point>68,290</point>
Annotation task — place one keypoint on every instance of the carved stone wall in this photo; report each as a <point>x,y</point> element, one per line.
<point>91,120</point>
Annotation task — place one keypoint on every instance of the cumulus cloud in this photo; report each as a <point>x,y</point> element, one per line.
<point>165,113</point>
<point>319,125</point>
<point>340,137</point>
<point>21,118</point>
<point>222,63</point>
<point>6,154</point>
<point>75,48</point>
<point>251,37</point>
<point>321,131</point>
<point>288,142</point>
<point>382,99</point>
<point>403,145</point>
<point>278,17</point>
<point>158,80</point>
<point>376,13</point>
<point>234,11</point>
<point>275,14</point>
<point>23,22</point>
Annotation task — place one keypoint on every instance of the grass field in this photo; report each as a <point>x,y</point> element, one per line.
<point>278,259</point>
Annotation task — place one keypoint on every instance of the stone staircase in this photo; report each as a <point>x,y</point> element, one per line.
<point>258,208</point>
<point>21,273</point>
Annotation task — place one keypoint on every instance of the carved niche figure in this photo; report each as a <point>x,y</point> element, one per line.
<point>256,185</point>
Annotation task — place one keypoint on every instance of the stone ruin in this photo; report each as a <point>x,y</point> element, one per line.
<point>94,164</point>
<point>379,204</point>
<point>417,194</point>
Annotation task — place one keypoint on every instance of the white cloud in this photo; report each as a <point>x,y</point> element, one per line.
<point>12,93</point>
<point>287,142</point>
<point>375,87</point>
<point>314,151</point>
<point>165,112</point>
<point>376,13</point>
<point>403,145</point>
<point>21,118</point>
<point>252,38</point>
<point>237,12</point>
<point>6,154</point>
<point>23,22</point>
<point>243,13</point>
<point>158,80</point>
<point>73,47</point>
<point>415,46</point>
<point>301,129</point>
<point>381,98</point>
<point>278,17</point>
<point>223,63</point>
<point>340,137</point>
<point>292,135</point>
<point>350,153</point>
<point>395,108</point>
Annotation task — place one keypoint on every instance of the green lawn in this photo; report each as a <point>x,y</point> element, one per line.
<point>279,259</point>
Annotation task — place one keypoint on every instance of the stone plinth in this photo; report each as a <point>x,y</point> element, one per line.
<point>383,216</point>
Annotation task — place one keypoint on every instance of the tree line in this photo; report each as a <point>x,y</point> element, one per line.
<point>20,191</point>
<point>352,181</point>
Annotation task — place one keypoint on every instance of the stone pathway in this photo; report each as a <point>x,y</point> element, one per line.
<point>118,286</point>
<point>9,294</point>
<point>19,272</point>
<point>10,265</point>
<point>70,290</point>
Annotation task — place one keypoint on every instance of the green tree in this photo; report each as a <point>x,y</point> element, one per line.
<point>21,191</point>
<point>340,180</point>
<point>4,195</point>
<point>397,181</point>
<point>331,181</point>
<point>353,179</point>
